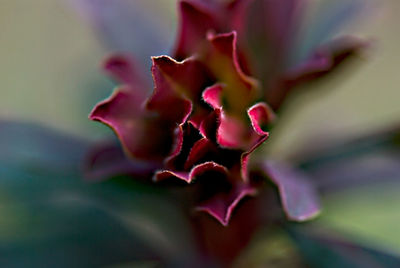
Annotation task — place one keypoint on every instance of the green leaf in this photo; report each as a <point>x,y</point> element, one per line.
<point>324,249</point>
<point>51,217</point>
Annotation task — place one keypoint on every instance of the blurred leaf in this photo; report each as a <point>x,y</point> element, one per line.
<point>298,196</point>
<point>28,146</point>
<point>325,249</point>
<point>371,212</point>
<point>369,159</point>
<point>50,217</point>
<point>326,21</point>
<point>360,180</point>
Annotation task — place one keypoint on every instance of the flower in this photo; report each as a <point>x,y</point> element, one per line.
<point>207,114</point>
<point>199,126</point>
<point>186,139</point>
<point>193,138</point>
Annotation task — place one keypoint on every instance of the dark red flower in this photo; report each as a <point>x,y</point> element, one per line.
<point>199,126</point>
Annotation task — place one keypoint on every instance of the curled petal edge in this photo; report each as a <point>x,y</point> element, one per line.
<point>189,176</point>
<point>228,42</point>
<point>216,206</point>
<point>119,92</point>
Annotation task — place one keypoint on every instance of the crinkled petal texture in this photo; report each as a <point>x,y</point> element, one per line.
<point>199,127</point>
<point>207,113</point>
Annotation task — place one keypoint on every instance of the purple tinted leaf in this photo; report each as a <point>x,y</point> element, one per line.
<point>108,160</point>
<point>31,146</point>
<point>329,18</point>
<point>326,61</point>
<point>298,196</point>
<point>367,159</point>
<point>130,26</point>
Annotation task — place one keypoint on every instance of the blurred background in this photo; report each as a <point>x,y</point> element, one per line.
<point>50,55</point>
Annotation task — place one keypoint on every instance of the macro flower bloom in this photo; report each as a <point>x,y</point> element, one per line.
<point>214,103</point>
<point>186,184</point>
<point>210,108</point>
<point>207,115</point>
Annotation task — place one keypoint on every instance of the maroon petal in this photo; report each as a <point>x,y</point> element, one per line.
<point>237,12</point>
<point>231,131</point>
<point>121,68</point>
<point>176,83</point>
<point>199,149</point>
<point>233,95</point>
<point>141,136</point>
<point>177,146</point>
<point>239,89</point>
<point>222,205</point>
<point>188,77</point>
<point>187,139</point>
<point>213,96</point>
<point>260,115</point>
<point>226,243</point>
<point>298,196</point>
<point>189,176</point>
<point>195,20</point>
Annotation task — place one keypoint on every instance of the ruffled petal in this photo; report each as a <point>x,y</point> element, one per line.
<point>187,137</point>
<point>260,115</point>
<point>231,131</point>
<point>168,100</point>
<point>239,90</point>
<point>186,78</point>
<point>141,135</point>
<point>222,205</point>
<point>190,176</point>
<point>199,149</point>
